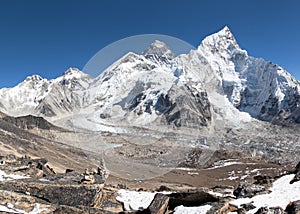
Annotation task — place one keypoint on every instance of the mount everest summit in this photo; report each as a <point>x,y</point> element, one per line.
<point>216,83</point>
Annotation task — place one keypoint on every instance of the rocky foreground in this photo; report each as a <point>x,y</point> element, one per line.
<point>54,180</point>
<point>31,186</point>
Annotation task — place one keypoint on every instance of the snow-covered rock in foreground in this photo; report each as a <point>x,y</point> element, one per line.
<point>9,208</point>
<point>192,210</point>
<point>133,200</point>
<point>282,193</point>
<point>4,176</point>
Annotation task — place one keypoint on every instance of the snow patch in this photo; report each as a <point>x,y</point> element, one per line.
<point>192,210</point>
<point>4,176</point>
<point>133,200</point>
<point>282,193</point>
<point>224,163</point>
<point>9,209</point>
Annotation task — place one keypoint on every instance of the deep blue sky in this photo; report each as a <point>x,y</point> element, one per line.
<point>46,37</point>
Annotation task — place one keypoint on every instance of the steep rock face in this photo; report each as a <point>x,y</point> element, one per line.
<point>60,100</point>
<point>252,85</point>
<point>185,106</point>
<point>30,122</point>
<point>268,91</point>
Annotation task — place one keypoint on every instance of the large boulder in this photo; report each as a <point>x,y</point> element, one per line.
<point>276,210</point>
<point>60,189</point>
<point>297,174</point>
<point>293,207</point>
<point>41,189</point>
<point>296,178</point>
<point>245,190</point>
<point>191,199</point>
<point>248,206</point>
<point>159,205</point>
<point>263,180</point>
<point>17,201</point>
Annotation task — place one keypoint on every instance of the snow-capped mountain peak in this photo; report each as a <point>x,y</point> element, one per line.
<point>222,42</point>
<point>74,78</point>
<point>33,82</point>
<point>218,50</point>
<point>252,85</point>
<point>160,49</point>
<point>34,78</point>
<point>73,73</point>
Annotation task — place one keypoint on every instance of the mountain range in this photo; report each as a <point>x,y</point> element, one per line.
<point>218,81</point>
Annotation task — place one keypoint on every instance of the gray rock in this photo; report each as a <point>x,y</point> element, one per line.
<point>31,122</point>
<point>263,180</point>
<point>296,178</point>
<point>159,205</point>
<point>247,190</point>
<point>271,210</point>
<point>241,211</point>
<point>190,199</point>
<point>293,207</point>
<point>276,210</point>
<point>262,210</point>
<point>297,174</point>
<point>60,189</point>
<point>248,207</point>
<point>24,202</point>
<point>63,209</point>
<point>25,166</point>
